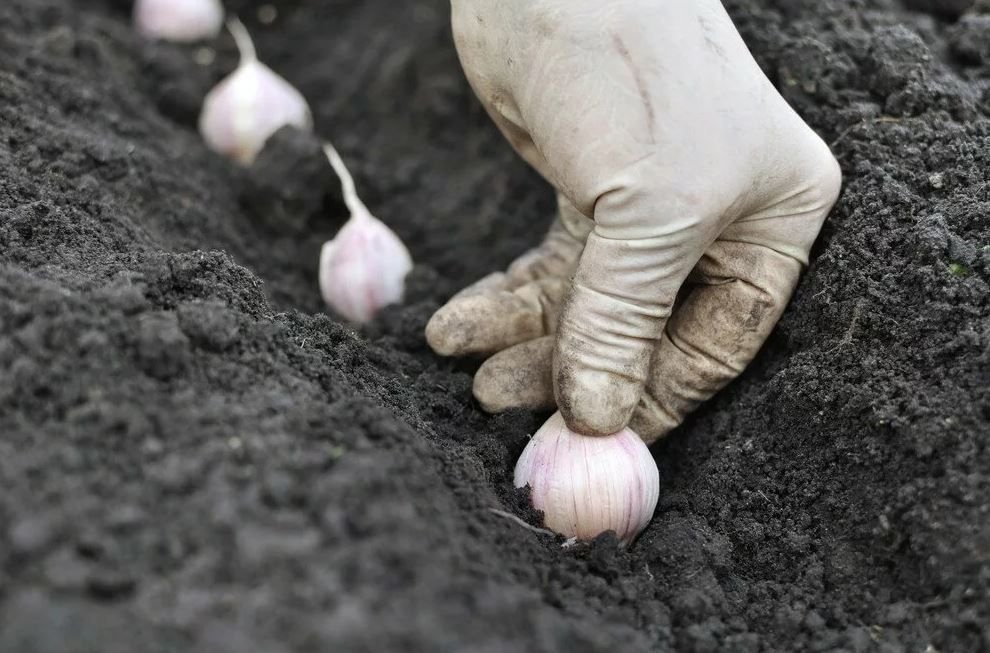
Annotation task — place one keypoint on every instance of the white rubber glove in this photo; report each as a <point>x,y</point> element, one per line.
<point>651,118</point>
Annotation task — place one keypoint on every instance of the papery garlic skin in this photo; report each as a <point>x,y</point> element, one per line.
<point>586,485</point>
<point>182,21</point>
<point>364,267</point>
<point>249,105</point>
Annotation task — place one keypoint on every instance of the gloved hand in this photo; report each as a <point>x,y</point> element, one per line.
<point>690,194</point>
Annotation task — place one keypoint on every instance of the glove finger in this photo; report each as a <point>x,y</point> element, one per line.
<point>622,295</point>
<point>716,332</point>
<point>517,377</point>
<point>494,282</point>
<point>523,303</point>
<point>488,322</point>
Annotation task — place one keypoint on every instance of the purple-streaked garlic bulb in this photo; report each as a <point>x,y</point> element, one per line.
<point>364,267</point>
<point>586,485</point>
<point>249,105</point>
<point>182,21</point>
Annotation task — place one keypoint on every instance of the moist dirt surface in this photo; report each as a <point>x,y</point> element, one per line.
<point>194,456</point>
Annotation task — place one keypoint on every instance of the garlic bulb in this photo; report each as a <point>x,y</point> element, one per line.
<point>586,485</point>
<point>183,21</point>
<point>364,267</point>
<point>249,105</point>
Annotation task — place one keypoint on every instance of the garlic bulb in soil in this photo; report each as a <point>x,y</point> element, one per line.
<point>182,21</point>
<point>249,105</point>
<point>586,485</point>
<point>364,267</point>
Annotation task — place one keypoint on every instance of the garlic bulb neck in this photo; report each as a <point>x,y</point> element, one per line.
<point>243,40</point>
<point>351,200</point>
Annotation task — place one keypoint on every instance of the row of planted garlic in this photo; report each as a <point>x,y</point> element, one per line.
<point>584,485</point>
<point>364,267</point>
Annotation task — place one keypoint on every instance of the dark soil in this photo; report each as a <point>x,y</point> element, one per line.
<point>195,458</point>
